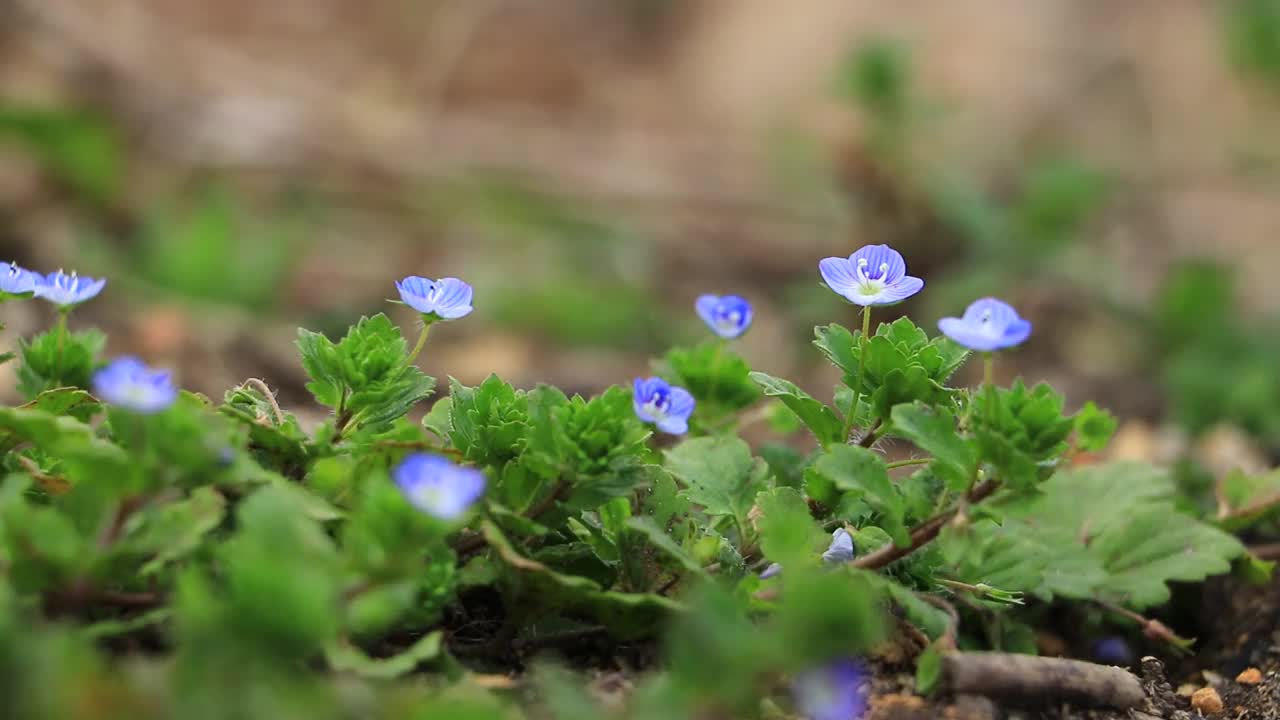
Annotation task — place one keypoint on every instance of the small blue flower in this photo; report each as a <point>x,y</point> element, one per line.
<point>836,691</point>
<point>16,280</point>
<point>438,487</point>
<point>127,382</point>
<point>1112,651</point>
<point>728,316</point>
<point>840,551</point>
<point>666,406</point>
<point>773,570</point>
<point>987,325</point>
<point>446,298</point>
<point>874,275</point>
<point>67,291</point>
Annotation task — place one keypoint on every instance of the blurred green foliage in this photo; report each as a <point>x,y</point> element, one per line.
<point>78,149</point>
<point>1201,335</point>
<point>1252,34</point>
<point>207,246</point>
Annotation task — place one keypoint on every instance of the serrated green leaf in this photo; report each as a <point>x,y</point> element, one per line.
<point>178,529</point>
<point>627,615</point>
<point>1094,427</point>
<point>1113,531</point>
<point>934,431</point>
<point>719,474</point>
<point>662,541</point>
<point>788,534</point>
<point>489,421</point>
<point>820,419</point>
<point>715,375</point>
<point>439,420</point>
<point>50,360</point>
<point>861,471</point>
<point>366,377</point>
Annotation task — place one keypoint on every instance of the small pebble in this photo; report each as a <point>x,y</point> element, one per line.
<point>1207,701</point>
<point>1186,690</point>
<point>1251,676</point>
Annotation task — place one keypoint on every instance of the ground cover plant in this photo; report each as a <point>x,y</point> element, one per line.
<point>519,552</point>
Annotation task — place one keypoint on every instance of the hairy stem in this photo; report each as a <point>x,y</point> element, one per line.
<point>925,532</point>
<point>422,341</point>
<point>62,342</point>
<point>857,383</point>
<point>908,463</point>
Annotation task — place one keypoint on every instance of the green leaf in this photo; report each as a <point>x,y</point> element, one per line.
<point>50,361</point>
<point>439,421</point>
<point>663,542</point>
<point>489,421</point>
<point>1113,531</point>
<point>366,377</point>
<point>934,431</point>
<point>820,419</point>
<point>719,474</point>
<point>177,529</point>
<point>788,534</point>
<point>542,590</point>
<point>1094,427</point>
<point>929,669</point>
<point>863,472</point>
<point>342,656</point>
<point>1021,432</point>
<point>717,377</point>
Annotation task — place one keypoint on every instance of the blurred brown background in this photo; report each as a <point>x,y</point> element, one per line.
<point>590,166</point>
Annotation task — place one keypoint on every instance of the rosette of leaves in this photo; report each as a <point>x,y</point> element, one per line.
<point>366,377</point>
<point>902,365</point>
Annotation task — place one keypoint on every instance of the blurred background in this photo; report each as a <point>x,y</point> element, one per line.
<point>238,169</point>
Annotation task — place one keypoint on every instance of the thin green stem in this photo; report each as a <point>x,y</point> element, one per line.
<point>62,341</point>
<point>988,369</point>
<point>857,384</point>
<point>422,341</point>
<point>908,463</point>
<point>715,371</point>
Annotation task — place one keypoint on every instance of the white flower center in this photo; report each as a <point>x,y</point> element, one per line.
<point>869,285</point>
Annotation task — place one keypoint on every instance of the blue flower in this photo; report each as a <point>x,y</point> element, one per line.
<point>874,275</point>
<point>667,407</point>
<point>987,325</point>
<point>840,551</point>
<point>446,298</point>
<point>16,280</point>
<point>728,316</point>
<point>438,487</point>
<point>127,382</point>
<point>67,291</point>
<point>836,691</point>
<point>1112,651</point>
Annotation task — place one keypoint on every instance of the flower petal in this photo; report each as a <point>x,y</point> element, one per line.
<point>969,335</point>
<point>682,402</point>
<point>1017,332</point>
<point>415,292</point>
<point>673,425</point>
<point>878,256</point>
<point>772,571</point>
<point>900,290</point>
<point>706,306</point>
<point>454,298</point>
<point>838,276</point>
<point>841,549</point>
